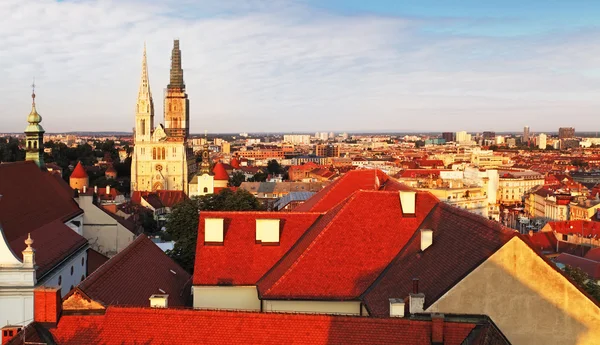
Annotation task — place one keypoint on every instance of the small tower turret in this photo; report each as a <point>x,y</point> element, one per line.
<point>34,135</point>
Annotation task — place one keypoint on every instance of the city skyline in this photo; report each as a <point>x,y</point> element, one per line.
<point>268,66</point>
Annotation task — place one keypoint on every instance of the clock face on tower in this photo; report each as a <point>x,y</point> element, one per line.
<point>205,155</point>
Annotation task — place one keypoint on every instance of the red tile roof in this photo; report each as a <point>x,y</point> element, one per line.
<point>168,198</point>
<point>591,267</point>
<point>343,187</point>
<point>35,202</point>
<point>167,326</point>
<point>461,242</point>
<point>94,261</point>
<point>137,272</point>
<point>341,258</point>
<point>220,172</point>
<point>593,254</point>
<point>578,227</point>
<point>241,261</point>
<point>79,171</point>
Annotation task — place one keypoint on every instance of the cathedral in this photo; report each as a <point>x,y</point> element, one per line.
<point>161,158</point>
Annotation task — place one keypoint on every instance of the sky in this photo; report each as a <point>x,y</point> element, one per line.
<point>306,65</point>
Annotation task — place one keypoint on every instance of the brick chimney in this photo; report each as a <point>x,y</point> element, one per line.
<point>416,300</point>
<point>47,305</point>
<point>437,329</point>
<point>9,332</point>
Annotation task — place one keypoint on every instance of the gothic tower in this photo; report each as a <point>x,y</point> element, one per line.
<point>177,113</point>
<point>144,115</point>
<point>34,136</point>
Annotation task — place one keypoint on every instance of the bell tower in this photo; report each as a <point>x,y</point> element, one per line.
<point>177,113</point>
<point>144,115</point>
<point>34,135</point>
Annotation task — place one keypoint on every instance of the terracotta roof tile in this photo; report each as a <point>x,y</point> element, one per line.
<point>79,171</point>
<point>137,272</point>
<point>220,172</point>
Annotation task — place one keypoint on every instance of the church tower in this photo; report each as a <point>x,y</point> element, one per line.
<point>144,115</point>
<point>34,136</point>
<point>177,113</point>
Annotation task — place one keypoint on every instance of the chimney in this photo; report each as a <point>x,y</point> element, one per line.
<point>47,305</point>
<point>437,329</point>
<point>159,301</point>
<point>426,238</point>
<point>9,332</point>
<point>416,300</point>
<point>96,189</point>
<point>107,190</point>
<point>396,307</point>
<point>267,231</point>
<point>213,230</point>
<point>29,253</point>
<point>84,189</point>
<point>407,202</point>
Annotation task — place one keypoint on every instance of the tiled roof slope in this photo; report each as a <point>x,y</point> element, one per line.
<point>341,188</point>
<point>240,260</point>
<point>173,326</point>
<point>31,198</point>
<point>593,254</point>
<point>168,198</point>
<point>341,258</point>
<point>137,272</point>
<point>79,171</point>
<point>461,242</point>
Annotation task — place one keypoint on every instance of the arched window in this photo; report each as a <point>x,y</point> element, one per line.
<point>72,270</point>
<point>154,153</point>
<point>143,126</point>
<point>35,145</point>
<point>163,153</point>
<point>59,280</point>
<point>82,277</point>
<point>82,261</point>
<point>205,190</point>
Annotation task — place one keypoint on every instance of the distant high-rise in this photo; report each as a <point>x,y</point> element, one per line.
<point>566,132</point>
<point>448,136</point>
<point>542,141</point>
<point>525,134</point>
<point>462,137</point>
<point>327,150</point>
<point>489,135</point>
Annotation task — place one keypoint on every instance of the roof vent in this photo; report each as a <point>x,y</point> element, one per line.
<point>159,300</point>
<point>213,230</point>
<point>407,202</point>
<point>267,231</point>
<point>426,238</point>
<point>173,272</point>
<point>396,307</point>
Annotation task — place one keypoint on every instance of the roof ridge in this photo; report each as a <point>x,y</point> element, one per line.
<point>315,240</point>
<point>579,257</point>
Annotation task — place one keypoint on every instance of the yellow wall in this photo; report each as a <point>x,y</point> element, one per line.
<point>528,300</point>
<point>328,307</point>
<point>226,297</point>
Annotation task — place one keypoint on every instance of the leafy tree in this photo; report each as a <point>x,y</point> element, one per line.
<point>258,177</point>
<point>582,280</point>
<point>182,224</point>
<point>237,178</point>
<point>274,168</point>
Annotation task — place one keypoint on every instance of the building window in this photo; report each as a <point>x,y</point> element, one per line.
<point>72,270</point>
<point>163,153</point>
<point>154,153</point>
<point>205,190</point>
<point>143,126</point>
<point>59,280</point>
<point>82,277</point>
<point>82,261</point>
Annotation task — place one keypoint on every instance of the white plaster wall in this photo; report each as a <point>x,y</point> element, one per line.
<point>327,307</point>
<point>16,307</point>
<point>64,272</point>
<point>226,297</point>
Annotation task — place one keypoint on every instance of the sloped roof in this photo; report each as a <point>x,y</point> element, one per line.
<point>341,188</point>
<point>220,172</point>
<point>576,227</point>
<point>137,272</point>
<point>168,198</point>
<point>94,260</point>
<point>240,260</point>
<point>120,325</point>
<point>593,254</point>
<point>461,242</point>
<point>341,256</point>
<point>79,171</point>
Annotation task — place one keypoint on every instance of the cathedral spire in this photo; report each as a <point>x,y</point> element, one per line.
<point>144,122</point>
<point>144,82</point>
<point>176,80</point>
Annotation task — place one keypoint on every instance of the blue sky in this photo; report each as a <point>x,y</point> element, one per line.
<point>307,65</point>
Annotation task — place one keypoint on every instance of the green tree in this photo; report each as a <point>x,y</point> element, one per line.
<point>258,177</point>
<point>182,224</point>
<point>274,168</point>
<point>237,178</point>
<point>583,281</point>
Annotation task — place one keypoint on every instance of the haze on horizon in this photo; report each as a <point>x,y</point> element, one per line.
<point>306,65</point>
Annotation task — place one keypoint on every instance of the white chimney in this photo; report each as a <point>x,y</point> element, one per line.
<point>96,189</point>
<point>407,202</point>
<point>267,231</point>
<point>107,190</point>
<point>426,238</point>
<point>84,189</point>
<point>396,307</point>
<point>159,301</point>
<point>213,230</point>
<point>416,300</point>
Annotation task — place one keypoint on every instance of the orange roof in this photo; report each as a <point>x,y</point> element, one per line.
<point>79,172</point>
<point>220,172</point>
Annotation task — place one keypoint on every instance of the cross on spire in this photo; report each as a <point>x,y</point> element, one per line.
<point>33,91</point>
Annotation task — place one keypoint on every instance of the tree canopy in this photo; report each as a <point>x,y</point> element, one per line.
<point>581,278</point>
<point>182,224</point>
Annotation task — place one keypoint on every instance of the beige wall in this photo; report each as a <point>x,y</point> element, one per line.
<point>102,231</point>
<point>529,301</point>
<point>329,307</point>
<point>226,297</point>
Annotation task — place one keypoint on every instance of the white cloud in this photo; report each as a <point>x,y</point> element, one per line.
<point>283,66</point>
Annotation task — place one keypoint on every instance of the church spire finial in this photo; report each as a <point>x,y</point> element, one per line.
<point>33,92</point>
<point>176,80</point>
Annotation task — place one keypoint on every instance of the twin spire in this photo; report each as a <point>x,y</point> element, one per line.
<point>145,82</point>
